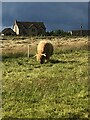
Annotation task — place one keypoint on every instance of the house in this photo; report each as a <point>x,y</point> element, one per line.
<point>29,28</point>
<point>7,31</point>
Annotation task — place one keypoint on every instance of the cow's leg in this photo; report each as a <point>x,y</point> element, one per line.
<point>47,59</point>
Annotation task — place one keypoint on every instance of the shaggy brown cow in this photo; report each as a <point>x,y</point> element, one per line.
<point>44,51</point>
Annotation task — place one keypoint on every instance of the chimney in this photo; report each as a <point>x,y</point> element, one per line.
<point>15,21</point>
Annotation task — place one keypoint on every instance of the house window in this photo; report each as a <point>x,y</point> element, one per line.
<point>33,29</point>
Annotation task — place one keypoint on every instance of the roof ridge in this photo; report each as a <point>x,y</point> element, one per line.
<point>28,24</point>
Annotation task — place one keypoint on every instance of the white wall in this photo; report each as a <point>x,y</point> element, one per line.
<point>16,29</point>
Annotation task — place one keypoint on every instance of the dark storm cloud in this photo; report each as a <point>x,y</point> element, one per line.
<point>55,15</point>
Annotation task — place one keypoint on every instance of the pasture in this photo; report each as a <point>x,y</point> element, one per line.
<point>57,89</point>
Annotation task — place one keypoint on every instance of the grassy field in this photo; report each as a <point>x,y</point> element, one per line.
<point>57,89</point>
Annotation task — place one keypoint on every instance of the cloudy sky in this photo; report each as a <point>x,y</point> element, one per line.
<point>55,15</point>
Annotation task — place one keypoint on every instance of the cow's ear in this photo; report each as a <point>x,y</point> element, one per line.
<point>44,55</point>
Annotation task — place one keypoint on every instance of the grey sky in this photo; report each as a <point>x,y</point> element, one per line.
<point>55,15</point>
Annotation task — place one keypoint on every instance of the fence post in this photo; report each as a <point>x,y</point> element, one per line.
<point>28,51</point>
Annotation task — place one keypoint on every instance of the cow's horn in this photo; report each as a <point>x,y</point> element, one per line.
<point>44,55</point>
<point>35,55</point>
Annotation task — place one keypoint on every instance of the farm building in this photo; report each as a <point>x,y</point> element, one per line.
<point>81,32</point>
<point>29,28</point>
<point>8,31</point>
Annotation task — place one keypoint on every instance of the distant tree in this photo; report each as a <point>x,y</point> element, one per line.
<point>58,33</point>
<point>47,33</point>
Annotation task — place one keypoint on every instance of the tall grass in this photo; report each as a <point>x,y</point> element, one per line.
<point>57,89</point>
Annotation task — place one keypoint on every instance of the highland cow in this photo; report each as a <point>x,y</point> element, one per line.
<point>44,51</point>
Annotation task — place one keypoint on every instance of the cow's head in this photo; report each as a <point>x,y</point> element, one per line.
<point>41,58</point>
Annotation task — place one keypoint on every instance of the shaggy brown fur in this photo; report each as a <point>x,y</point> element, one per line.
<point>44,51</point>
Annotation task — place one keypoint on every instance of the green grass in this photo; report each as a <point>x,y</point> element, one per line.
<point>58,89</point>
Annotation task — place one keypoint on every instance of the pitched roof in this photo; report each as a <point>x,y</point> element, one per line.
<point>29,24</point>
<point>6,30</point>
